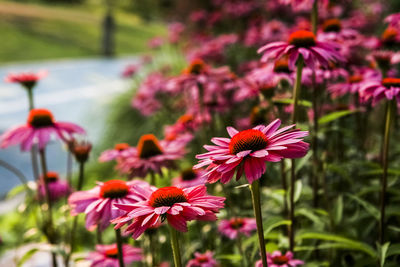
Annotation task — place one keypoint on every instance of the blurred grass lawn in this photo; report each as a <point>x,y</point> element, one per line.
<point>36,32</point>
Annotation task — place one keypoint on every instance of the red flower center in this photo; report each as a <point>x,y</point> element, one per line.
<point>185,118</point>
<point>51,177</point>
<point>202,259</point>
<point>81,151</point>
<point>148,146</point>
<point>302,39</point>
<point>389,35</point>
<point>236,223</point>
<point>121,146</point>
<point>114,189</point>
<point>248,140</point>
<point>280,260</point>
<point>282,65</point>
<point>391,82</point>
<point>112,253</point>
<point>188,174</point>
<point>332,25</point>
<point>197,66</point>
<point>39,118</point>
<point>167,197</point>
<point>355,79</point>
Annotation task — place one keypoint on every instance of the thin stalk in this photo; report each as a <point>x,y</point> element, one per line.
<point>17,173</point>
<point>390,110</point>
<point>81,176</point>
<point>284,186</point>
<point>296,96</point>
<point>50,233</point>
<point>69,168</point>
<point>315,173</point>
<point>175,246</point>
<point>255,195</point>
<point>153,249</point>
<point>99,238</point>
<point>34,149</point>
<point>119,246</point>
<point>314,17</point>
<point>241,250</point>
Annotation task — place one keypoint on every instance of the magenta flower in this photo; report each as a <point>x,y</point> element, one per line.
<point>173,204</point>
<point>203,260</point>
<point>248,150</point>
<point>235,226</point>
<point>276,259</point>
<point>302,43</point>
<point>115,153</point>
<point>189,178</point>
<point>304,4</point>
<point>107,255</point>
<point>98,202</point>
<point>393,20</point>
<point>57,188</point>
<point>26,79</point>
<point>388,88</point>
<point>39,129</point>
<point>150,155</point>
<point>130,70</point>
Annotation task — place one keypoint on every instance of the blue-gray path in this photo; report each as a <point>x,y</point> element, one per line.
<point>75,90</point>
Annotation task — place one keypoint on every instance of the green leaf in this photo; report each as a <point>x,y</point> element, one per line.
<point>335,115</point>
<point>27,256</point>
<point>309,213</point>
<point>340,242</point>
<point>338,210</point>
<point>289,101</point>
<point>371,209</point>
<point>298,187</point>
<point>273,223</point>
<point>382,252</point>
<point>393,250</point>
<point>230,257</point>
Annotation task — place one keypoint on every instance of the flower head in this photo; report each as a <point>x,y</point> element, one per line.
<point>98,202</point>
<point>176,205</point>
<point>39,128</point>
<point>107,255</point>
<point>203,260</point>
<point>302,43</point>
<point>376,90</point>
<point>248,151</point>
<point>81,150</point>
<point>27,79</point>
<point>235,226</point>
<point>114,153</point>
<point>57,188</point>
<point>276,259</point>
<point>189,178</point>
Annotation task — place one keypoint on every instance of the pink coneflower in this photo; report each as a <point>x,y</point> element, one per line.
<point>176,205</point>
<point>248,150</point>
<point>39,128</point>
<point>150,155</point>
<point>114,153</point>
<point>304,4</point>
<point>235,226</point>
<point>26,79</point>
<point>189,178</point>
<point>390,37</point>
<point>130,70</point>
<point>302,43</point>
<point>393,20</point>
<point>276,259</point>
<point>107,255</point>
<point>388,88</point>
<point>203,260</point>
<point>98,202</point>
<point>57,188</point>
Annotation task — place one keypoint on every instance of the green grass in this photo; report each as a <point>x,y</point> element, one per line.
<point>36,32</point>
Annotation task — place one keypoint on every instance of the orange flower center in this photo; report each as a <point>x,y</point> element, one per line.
<point>202,259</point>
<point>167,197</point>
<point>280,260</point>
<point>39,118</point>
<point>188,174</point>
<point>236,223</point>
<point>332,25</point>
<point>197,66</point>
<point>355,79</point>
<point>391,82</point>
<point>114,189</point>
<point>282,65</point>
<point>248,140</point>
<point>112,253</point>
<point>81,151</point>
<point>121,146</point>
<point>302,38</point>
<point>148,146</point>
<point>51,177</point>
<point>389,35</point>
<point>185,118</point>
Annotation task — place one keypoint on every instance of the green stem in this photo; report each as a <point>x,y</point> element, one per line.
<point>175,246</point>
<point>69,167</point>
<point>241,250</point>
<point>119,246</point>
<point>390,110</point>
<point>314,17</point>
<point>255,194</point>
<point>284,187</point>
<point>17,173</point>
<point>30,98</point>
<point>315,173</point>
<point>81,175</point>
<point>296,96</point>
<point>152,178</point>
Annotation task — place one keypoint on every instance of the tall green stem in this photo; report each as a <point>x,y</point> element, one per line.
<point>296,96</point>
<point>50,228</point>
<point>390,110</point>
<point>314,17</point>
<point>316,163</point>
<point>255,194</point>
<point>119,246</point>
<point>175,246</point>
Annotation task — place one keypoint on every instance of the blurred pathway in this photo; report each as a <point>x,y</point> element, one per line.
<point>74,90</point>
